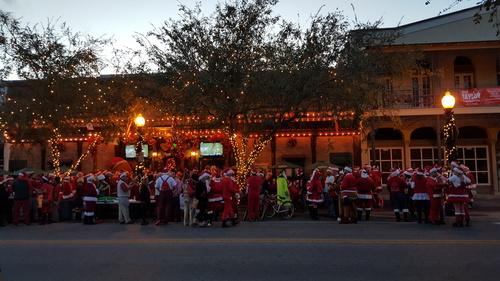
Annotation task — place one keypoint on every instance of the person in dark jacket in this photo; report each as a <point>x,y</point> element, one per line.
<point>201,195</point>
<point>144,197</point>
<point>21,188</point>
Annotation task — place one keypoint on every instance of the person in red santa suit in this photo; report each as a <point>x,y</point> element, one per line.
<point>471,189</point>
<point>215,199</point>
<point>376,176</point>
<point>365,187</point>
<point>90,193</point>
<point>229,193</point>
<point>314,193</point>
<point>457,194</point>
<point>420,196</point>
<point>348,194</point>
<point>66,202</point>
<point>436,188</point>
<point>44,212</point>
<point>396,186</point>
<point>254,186</point>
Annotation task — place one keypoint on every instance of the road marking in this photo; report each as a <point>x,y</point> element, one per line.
<point>296,241</point>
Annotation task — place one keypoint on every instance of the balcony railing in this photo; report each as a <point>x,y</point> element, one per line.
<point>404,98</point>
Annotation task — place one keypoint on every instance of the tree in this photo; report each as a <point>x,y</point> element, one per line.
<point>59,87</point>
<point>246,70</point>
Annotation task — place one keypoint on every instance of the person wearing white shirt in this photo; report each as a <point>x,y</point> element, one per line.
<point>164,186</point>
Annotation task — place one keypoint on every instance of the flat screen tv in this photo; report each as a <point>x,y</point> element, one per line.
<point>130,151</point>
<point>211,149</point>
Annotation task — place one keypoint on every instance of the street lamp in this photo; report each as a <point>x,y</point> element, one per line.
<point>449,129</point>
<point>139,123</point>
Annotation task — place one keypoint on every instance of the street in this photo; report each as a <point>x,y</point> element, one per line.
<point>298,249</point>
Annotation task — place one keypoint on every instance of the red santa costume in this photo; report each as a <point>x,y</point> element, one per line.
<point>254,184</point>
<point>397,187</point>
<point>215,199</point>
<point>45,211</point>
<point>365,187</point>
<point>436,195</point>
<point>314,193</point>
<point>349,194</point>
<point>376,176</point>
<point>457,194</point>
<point>89,200</point>
<point>229,191</point>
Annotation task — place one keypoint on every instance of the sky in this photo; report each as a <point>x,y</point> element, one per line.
<point>120,19</point>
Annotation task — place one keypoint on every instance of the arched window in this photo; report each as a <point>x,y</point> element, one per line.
<point>464,73</point>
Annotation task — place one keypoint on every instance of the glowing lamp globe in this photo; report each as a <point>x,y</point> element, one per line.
<point>140,121</point>
<point>448,101</point>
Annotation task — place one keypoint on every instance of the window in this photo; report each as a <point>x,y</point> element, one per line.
<point>389,92</point>
<point>421,89</point>
<point>476,158</point>
<point>464,73</point>
<point>387,158</point>
<point>423,156</point>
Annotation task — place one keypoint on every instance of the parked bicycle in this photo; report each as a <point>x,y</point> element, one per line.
<point>272,207</point>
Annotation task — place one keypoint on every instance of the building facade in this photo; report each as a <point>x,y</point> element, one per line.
<point>458,55</point>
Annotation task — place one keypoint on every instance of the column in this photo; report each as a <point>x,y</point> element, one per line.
<point>493,167</point>
<point>273,151</point>
<point>406,148</point>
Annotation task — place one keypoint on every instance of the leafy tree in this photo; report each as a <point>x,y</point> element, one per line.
<point>58,69</point>
<point>249,71</point>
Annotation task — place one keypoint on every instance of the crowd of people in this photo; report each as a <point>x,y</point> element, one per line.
<point>201,198</point>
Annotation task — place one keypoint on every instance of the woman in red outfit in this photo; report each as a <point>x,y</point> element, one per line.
<point>254,184</point>
<point>229,191</point>
<point>314,193</point>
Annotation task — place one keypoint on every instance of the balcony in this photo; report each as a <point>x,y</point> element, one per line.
<point>474,97</point>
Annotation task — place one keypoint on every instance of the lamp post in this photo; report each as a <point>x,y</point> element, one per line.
<point>139,123</point>
<point>449,128</point>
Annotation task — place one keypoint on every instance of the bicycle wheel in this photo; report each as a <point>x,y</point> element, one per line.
<point>289,214</point>
<point>268,212</point>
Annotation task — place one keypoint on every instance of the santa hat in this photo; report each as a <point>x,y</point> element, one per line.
<point>315,173</point>
<point>457,171</point>
<point>90,178</point>
<point>454,164</point>
<point>123,175</point>
<point>395,173</point>
<point>347,169</point>
<point>45,178</point>
<point>464,168</point>
<point>434,171</point>
<point>204,176</point>
<point>364,174</point>
<point>101,177</point>
<point>419,172</point>
<point>20,175</point>
<point>228,172</point>
<point>66,178</point>
<point>408,172</point>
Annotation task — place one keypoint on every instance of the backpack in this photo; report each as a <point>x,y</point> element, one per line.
<point>164,185</point>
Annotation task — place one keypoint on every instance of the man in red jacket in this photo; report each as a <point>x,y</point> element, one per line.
<point>45,212</point>
<point>436,189</point>
<point>215,199</point>
<point>365,187</point>
<point>397,186</point>
<point>254,184</point>
<point>89,200</point>
<point>349,195</point>
<point>229,191</point>
<point>420,196</point>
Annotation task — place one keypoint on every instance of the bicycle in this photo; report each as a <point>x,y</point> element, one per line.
<point>271,207</point>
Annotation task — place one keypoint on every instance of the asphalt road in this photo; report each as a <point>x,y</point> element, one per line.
<point>276,250</point>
